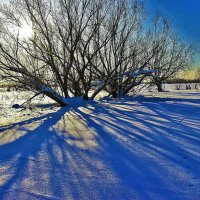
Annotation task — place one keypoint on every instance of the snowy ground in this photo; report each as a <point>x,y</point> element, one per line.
<point>143,148</point>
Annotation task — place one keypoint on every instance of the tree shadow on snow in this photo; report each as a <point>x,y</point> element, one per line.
<point>124,150</point>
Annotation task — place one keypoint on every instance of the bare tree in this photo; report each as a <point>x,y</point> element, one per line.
<point>47,61</point>
<point>75,44</point>
<point>197,74</point>
<point>136,69</point>
<point>81,47</point>
<point>115,57</point>
<point>173,55</point>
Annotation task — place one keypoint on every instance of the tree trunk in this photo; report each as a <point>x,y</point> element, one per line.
<point>51,94</point>
<point>159,87</point>
<point>85,97</point>
<point>56,98</point>
<point>114,94</point>
<point>98,90</point>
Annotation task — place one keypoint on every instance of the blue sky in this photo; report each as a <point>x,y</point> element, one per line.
<point>185,14</point>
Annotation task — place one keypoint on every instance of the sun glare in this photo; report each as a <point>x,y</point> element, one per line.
<point>25,31</point>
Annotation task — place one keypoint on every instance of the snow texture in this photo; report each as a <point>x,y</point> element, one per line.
<point>49,90</point>
<point>135,74</point>
<point>141,72</point>
<point>138,148</point>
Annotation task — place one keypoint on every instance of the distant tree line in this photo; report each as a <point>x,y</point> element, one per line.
<point>81,47</point>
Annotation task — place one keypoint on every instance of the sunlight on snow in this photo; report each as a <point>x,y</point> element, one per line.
<point>75,131</point>
<point>6,172</point>
<point>13,134</point>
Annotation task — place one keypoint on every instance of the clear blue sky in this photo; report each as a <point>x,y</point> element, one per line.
<point>184,13</point>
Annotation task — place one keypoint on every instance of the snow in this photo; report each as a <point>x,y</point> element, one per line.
<point>135,74</point>
<point>140,72</point>
<point>99,84</point>
<point>142,148</point>
<point>46,89</point>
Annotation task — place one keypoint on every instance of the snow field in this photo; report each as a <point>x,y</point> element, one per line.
<point>134,148</point>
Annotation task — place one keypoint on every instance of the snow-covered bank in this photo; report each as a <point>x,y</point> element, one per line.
<point>143,148</point>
